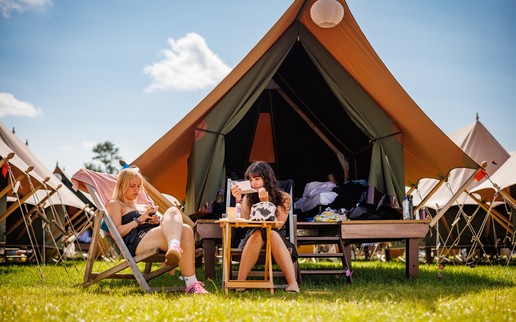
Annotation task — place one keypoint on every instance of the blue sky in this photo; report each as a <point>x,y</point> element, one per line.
<point>76,73</point>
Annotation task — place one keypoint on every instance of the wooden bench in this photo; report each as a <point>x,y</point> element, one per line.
<point>366,231</point>
<point>351,232</point>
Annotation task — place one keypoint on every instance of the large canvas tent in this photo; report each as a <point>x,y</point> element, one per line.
<point>328,103</point>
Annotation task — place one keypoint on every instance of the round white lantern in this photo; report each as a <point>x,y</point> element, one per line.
<point>327,13</point>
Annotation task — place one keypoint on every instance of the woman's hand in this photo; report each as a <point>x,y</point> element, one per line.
<point>150,216</point>
<point>236,192</point>
<point>263,194</point>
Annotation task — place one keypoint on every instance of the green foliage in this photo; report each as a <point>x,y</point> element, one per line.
<point>379,292</point>
<point>105,159</point>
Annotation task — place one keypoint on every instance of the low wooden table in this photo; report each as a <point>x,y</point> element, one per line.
<point>227,226</point>
<point>366,231</point>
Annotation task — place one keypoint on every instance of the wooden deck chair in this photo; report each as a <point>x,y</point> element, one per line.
<point>287,186</point>
<point>100,187</point>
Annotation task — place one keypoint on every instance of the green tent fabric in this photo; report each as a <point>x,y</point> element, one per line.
<point>206,162</point>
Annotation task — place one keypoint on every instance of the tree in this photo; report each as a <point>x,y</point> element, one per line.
<point>107,155</point>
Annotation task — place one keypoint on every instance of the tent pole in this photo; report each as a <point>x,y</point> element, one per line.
<point>429,195</point>
<point>504,222</point>
<point>509,199</point>
<point>342,159</point>
<point>443,210</point>
<point>14,206</point>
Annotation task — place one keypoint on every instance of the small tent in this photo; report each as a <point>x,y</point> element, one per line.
<point>311,101</point>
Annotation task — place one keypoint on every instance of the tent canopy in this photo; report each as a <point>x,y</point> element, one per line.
<point>313,101</point>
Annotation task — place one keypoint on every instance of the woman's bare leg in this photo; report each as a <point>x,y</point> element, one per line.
<point>250,254</point>
<point>284,260</point>
<point>187,262</point>
<point>172,224</point>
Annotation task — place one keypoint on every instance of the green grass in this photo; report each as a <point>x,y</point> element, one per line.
<point>380,292</point>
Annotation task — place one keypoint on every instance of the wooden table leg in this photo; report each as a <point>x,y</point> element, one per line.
<point>268,259</point>
<point>209,258</point>
<point>347,261</point>
<point>412,257</point>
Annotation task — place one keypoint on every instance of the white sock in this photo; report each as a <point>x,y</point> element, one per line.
<point>173,242</point>
<point>189,280</point>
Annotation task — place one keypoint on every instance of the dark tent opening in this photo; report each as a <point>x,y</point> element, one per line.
<point>298,151</point>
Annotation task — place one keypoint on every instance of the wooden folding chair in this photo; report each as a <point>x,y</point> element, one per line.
<point>115,239</point>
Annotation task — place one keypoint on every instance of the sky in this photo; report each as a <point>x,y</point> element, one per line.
<point>76,73</point>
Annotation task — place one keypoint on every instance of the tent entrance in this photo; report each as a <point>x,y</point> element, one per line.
<point>300,128</point>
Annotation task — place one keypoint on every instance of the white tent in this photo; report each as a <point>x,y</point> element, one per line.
<point>64,196</point>
<point>28,187</point>
<point>476,141</point>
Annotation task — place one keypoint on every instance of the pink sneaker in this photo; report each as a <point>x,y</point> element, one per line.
<point>173,256</point>
<point>196,288</point>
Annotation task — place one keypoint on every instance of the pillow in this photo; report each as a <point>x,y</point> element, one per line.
<point>263,211</point>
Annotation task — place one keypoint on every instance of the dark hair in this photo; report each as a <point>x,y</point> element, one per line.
<point>264,170</point>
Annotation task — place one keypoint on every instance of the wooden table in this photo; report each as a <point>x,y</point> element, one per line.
<point>227,226</point>
<point>366,231</point>
<point>211,235</point>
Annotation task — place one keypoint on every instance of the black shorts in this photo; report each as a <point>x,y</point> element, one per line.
<point>136,235</point>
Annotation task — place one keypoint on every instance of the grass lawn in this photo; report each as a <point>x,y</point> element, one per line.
<point>380,292</point>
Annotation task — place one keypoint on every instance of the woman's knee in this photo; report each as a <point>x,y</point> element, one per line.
<point>173,212</point>
<point>256,236</point>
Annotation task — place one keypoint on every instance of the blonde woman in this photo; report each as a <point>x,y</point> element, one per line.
<point>142,229</point>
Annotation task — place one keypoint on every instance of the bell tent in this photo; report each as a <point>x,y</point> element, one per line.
<point>311,101</point>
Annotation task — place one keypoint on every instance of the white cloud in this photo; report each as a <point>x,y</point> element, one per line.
<point>9,105</point>
<point>20,6</point>
<point>188,65</point>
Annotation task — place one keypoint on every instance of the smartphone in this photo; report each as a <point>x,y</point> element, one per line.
<point>153,212</point>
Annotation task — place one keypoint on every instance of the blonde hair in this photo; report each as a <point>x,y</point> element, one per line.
<point>124,177</point>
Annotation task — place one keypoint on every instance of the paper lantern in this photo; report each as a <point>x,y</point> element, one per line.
<point>327,13</point>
